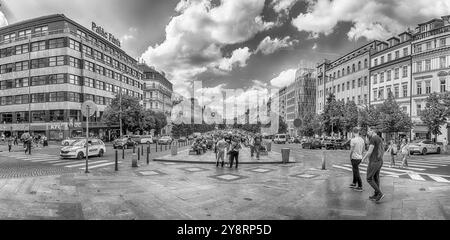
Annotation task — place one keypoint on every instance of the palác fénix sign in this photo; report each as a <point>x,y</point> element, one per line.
<point>108,36</point>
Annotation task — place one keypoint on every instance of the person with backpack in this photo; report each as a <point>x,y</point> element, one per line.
<point>375,156</point>
<point>10,143</point>
<point>392,150</point>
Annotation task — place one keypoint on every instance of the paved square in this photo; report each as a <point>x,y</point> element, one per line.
<point>261,170</point>
<point>150,173</point>
<point>228,177</point>
<point>194,169</point>
<point>168,163</point>
<point>305,175</point>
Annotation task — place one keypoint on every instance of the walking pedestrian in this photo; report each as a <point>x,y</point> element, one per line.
<point>356,155</point>
<point>234,151</point>
<point>10,143</point>
<point>257,145</point>
<point>221,147</point>
<point>251,145</point>
<point>392,150</point>
<point>404,151</point>
<point>375,156</point>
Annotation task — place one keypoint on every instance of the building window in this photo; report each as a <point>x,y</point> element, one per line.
<point>382,60</point>
<point>396,92</point>
<point>42,29</point>
<point>375,62</point>
<point>388,76</point>
<point>21,49</point>
<point>348,85</point>
<point>418,108</point>
<point>365,98</point>
<point>397,54</point>
<point>389,57</point>
<point>359,82</point>
<point>419,66</point>
<point>338,88</point>
<point>353,84</point>
<point>38,116</point>
<point>442,42</point>
<point>442,62</point>
<point>405,90</point>
<point>359,65</point>
<point>375,79</point>
<point>427,87</point>
<point>405,52</point>
<point>89,66</point>
<point>38,98</point>
<point>39,63</point>
<point>419,88</point>
<point>428,65</point>
<point>56,61</point>
<point>405,71</point>
<point>38,46</point>
<point>75,80</point>
<point>388,91</point>
<point>56,43</point>
<point>382,77</point>
<point>396,73</point>
<point>348,70</point>
<point>428,45</point>
<point>419,48</point>
<point>74,45</point>
<point>381,94</point>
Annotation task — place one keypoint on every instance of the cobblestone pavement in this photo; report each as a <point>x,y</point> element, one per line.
<point>163,190</point>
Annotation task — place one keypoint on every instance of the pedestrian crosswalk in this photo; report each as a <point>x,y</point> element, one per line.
<point>58,162</point>
<point>419,169</point>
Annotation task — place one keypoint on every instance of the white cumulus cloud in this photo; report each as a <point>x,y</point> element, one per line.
<point>372,19</point>
<point>3,20</point>
<point>239,58</point>
<point>282,6</point>
<point>268,45</point>
<point>284,78</point>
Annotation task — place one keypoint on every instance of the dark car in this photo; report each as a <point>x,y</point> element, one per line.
<point>342,144</point>
<point>124,143</point>
<point>312,144</point>
<point>182,139</point>
<point>297,140</point>
<point>329,143</point>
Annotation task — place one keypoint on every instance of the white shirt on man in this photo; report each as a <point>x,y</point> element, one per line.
<point>357,143</point>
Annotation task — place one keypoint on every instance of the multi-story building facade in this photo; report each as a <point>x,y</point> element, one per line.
<point>430,69</point>
<point>346,77</point>
<point>390,72</point>
<point>305,85</point>
<point>157,93</point>
<point>50,65</point>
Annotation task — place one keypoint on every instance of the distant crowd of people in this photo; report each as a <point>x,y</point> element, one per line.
<point>228,145</point>
<point>29,141</point>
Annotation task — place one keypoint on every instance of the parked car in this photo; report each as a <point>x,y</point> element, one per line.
<point>312,144</point>
<point>146,139</point>
<point>166,140</point>
<point>328,143</point>
<point>291,139</point>
<point>297,140</point>
<point>424,147</point>
<point>77,149</point>
<point>280,138</point>
<point>69,141</point>
<point>182,139</point>
<point>125,142</point>
<point>342,144</point>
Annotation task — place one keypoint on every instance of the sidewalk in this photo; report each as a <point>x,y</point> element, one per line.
<point>198,191</point>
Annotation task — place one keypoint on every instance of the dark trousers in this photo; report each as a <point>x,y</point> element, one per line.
<point>234,156</point>
<point>373,175</point>
<point>9,148</point>
<point>356,175</point>
<point>252,151</point>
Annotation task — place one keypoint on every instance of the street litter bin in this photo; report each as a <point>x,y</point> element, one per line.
<point>285,155</point>
<point>174,150</point>
<point>134,160</point>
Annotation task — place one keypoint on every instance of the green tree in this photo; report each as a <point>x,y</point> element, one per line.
<point>350,116</point>
<point>435,114</point>
<point>333,115</point>
<point>282,127</point>
<point>391,119</point>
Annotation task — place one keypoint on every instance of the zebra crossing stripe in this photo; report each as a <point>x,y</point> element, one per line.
<point>382,171</point>
<point>416,177</point>
<point>395,175</point>
<point>417,165</point>
<point>432,161</point>
<point>83,164</point>
<point>42,159</point>
<point>46,161</point>
<point>391,169</point>
<point>429,164</point>
<point>100,165</point>
<point>438,179</point>
<point>66,163</point>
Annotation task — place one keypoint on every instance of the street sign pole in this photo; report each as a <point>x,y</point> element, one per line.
<point>87,138</point>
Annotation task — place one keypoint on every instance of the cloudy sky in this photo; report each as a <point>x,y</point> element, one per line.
<point>230,44</point>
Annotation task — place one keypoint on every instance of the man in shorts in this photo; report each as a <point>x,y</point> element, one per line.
<point>375,156</point>
<point>221,147</point>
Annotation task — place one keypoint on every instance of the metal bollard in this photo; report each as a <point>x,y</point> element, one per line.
<point>142,150</point>
<point>170,146</point>
<point>139,154</point>
<point>165,147</point>
<point>123,153</point>
<point>134,148</point>
<point>160,148</point>
<point>148,155</point>
<point>117,163</point>
<point>324,161</point>
<point>156,147</point>
<point>134,163</point>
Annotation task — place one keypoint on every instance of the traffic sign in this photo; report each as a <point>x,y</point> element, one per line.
<point>88,108</point>
<point>297,122</point>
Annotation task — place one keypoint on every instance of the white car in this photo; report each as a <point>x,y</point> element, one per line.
<point>78,149</point>
<point>69,141</point>
<point>146,139</point>
<point>423,147</point>
<point>280,138</point>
